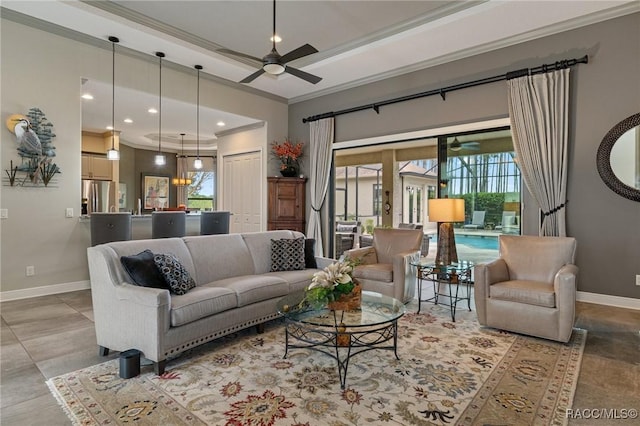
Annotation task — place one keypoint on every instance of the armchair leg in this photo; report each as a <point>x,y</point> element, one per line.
<point>158,367</point>
<point>102,351</point>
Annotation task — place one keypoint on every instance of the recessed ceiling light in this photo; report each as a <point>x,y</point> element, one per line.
<point>221,123</point>
<point>152,111</point>
<point>128,120</point>
<point>278,39</point>
<point>109,128</point>
<point>87,96</point>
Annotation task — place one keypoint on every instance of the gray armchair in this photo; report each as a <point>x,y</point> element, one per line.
<point>530,288</point>
<point>386,265</point>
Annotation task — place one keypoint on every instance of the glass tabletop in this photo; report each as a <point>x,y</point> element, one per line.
<point>375,309</point>
<point>460,266</point>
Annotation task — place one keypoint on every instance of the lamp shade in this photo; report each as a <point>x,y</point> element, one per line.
<point>446,210</point>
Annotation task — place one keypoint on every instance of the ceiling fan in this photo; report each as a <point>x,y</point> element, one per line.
<point>274,63</point>
<point>456,145</point>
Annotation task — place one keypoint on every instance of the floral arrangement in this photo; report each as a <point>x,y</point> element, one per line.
<point>330,283</point>
<point>288,153</point>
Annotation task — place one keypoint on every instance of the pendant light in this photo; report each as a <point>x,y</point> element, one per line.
<point>197,164</point>
<point>182,180</point>
<point>160,159</point>
<point>113,154</point>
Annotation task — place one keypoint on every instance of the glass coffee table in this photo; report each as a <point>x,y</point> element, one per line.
<point>342,334</point>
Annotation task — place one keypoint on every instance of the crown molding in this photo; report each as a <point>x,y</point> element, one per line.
<point>593,18</point>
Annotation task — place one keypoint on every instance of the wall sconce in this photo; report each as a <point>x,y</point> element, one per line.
<point>387,204</point>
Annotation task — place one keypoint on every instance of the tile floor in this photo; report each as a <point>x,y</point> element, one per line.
<point>47,336</point>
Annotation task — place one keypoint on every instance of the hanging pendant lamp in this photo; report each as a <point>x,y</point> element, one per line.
<point>113,154</point>
<point>182,180</point>
<point>160,159</point>
<point>197,164</point>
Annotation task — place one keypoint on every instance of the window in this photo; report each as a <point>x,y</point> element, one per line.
<point>201,194</point>
<point>377,199</point>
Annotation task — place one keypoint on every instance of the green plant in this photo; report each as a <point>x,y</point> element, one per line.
<point>328,284</point>
<point>368,226</point>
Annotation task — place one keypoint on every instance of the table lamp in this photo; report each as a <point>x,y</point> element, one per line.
<point>445,211</point>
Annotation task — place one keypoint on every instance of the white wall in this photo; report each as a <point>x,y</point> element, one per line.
<point>43,70</point>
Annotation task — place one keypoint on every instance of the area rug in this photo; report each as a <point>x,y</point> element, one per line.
<point>448,373</point>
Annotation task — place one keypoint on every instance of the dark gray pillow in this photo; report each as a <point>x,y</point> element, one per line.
<point>287,254</point>
<point>174,273</point>
<point>143,270</point>
<point>310,253</point>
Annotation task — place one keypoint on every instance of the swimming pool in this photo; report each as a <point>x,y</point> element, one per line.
<point>478,241</point>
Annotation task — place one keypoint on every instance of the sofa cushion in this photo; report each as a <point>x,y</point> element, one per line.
<point>143,270</point>
<point>377,272</point>
<point>254,288</point>
<point>174,273</point>
<point>287,254</point>
<point>524,291</point>
<point>201,302</point>
<point>297,280</point>
<point>217,257</point>
<point>310,253</point>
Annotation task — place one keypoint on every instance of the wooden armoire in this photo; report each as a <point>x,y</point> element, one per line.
<point>286,208</point>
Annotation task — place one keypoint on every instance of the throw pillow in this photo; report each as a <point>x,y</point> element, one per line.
<point>143,270</point>
<point>310,253</point>
<point>176,275</point>
<point>287,254</point>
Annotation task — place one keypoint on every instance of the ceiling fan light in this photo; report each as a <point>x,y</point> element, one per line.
<point>113,155</point>
<point>160,160</point>
<point>274,69</point>
<point>197,164</point>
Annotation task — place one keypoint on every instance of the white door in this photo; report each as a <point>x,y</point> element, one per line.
<point>242,191</point>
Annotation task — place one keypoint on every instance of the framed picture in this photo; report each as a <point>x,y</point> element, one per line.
<point>155,190</point>
<point>122,195</point>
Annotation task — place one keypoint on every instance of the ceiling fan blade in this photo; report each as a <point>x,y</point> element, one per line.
<point>303,75</point>
<point>300,52</point>
<point>240,54</point>
<point>253,76</point>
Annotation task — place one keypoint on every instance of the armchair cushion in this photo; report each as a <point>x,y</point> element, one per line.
<point>378,272</point>
<point>521,291</point>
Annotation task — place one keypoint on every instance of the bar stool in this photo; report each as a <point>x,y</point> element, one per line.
<point>168,224</point>
<point>108,227</point>
<point>214,222</point>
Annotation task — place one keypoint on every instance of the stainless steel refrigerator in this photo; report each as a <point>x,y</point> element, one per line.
<point>99,195</point>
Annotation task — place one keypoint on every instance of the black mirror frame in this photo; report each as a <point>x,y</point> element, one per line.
<point>603,160</point>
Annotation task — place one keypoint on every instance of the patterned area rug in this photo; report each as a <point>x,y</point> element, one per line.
<point>448,373</point>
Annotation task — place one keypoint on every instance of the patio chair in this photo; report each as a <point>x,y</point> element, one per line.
<point>508,225</point>
<point>477,222</point>
<point>347,234</point>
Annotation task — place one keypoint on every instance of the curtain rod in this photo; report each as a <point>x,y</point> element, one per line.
<point>566,63</point>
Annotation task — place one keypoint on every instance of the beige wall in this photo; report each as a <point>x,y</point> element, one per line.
<point>43,70</point>
<point>604,92</point>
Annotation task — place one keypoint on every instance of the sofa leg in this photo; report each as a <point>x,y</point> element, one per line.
<point>260,328</point>
<point>102,351</point>
<point>158,367</point>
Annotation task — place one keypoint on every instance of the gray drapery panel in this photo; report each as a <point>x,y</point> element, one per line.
<point>539,113</point>
<point>320,142</point>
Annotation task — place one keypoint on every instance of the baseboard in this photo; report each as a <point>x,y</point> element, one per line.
<point>44,290</point>
<point>605,299</point>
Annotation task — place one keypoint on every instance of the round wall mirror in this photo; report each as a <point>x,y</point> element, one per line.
<point>618,158</point>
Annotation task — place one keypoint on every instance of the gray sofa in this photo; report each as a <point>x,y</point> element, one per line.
<point>234,290</point>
